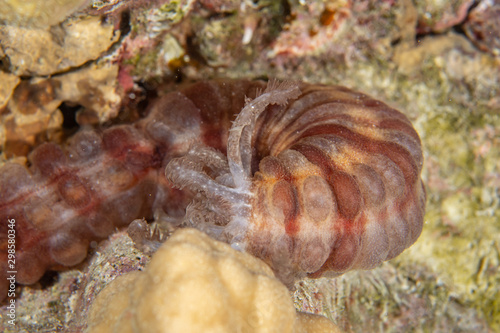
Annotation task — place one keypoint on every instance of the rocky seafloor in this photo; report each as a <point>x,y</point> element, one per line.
<point>66,64</point>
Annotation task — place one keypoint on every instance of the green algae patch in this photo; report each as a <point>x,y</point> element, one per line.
<point>453,109</point>
<point>461,237</point>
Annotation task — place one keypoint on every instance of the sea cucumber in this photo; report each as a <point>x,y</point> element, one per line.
<point>317,179</point>
<point>309,178</point>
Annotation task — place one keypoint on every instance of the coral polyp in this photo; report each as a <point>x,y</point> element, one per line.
<point>309,178</point>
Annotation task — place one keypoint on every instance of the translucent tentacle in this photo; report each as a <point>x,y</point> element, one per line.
<point>209,157</point>
<point>239,150</point>
<point>188,172</point>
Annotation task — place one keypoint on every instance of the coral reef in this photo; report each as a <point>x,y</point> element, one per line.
<point>435,60</point>
<point>34,113</point>
<point>390,298</point>
<point>60,301</point>
<point>40,14</point>
<point>45,52</point>
<point>439,16</point>
<point>9,82</point>
<point>483,26</point>
<point>31,109</point>
<point>304,36</point>
<point>196,284</point>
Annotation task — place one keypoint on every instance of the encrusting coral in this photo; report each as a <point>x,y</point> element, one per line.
<point>197,284</point>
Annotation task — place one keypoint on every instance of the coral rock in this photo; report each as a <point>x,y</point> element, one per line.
<point>197,284</point>
<point>44,52</point>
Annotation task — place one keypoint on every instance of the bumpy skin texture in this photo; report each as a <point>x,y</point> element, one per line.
<point>317,179</point>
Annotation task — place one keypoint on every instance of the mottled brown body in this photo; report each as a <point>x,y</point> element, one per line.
<point>334,180</point>
<point>341,174</point>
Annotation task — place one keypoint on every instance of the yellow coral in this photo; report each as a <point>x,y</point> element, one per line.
<point>197,284</point>
<point>38,13</point>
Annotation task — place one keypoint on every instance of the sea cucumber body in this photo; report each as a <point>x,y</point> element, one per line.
<point>103,179</point>
<point>335,181</point>
<point>339,184</point>
<point>74,195</point>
